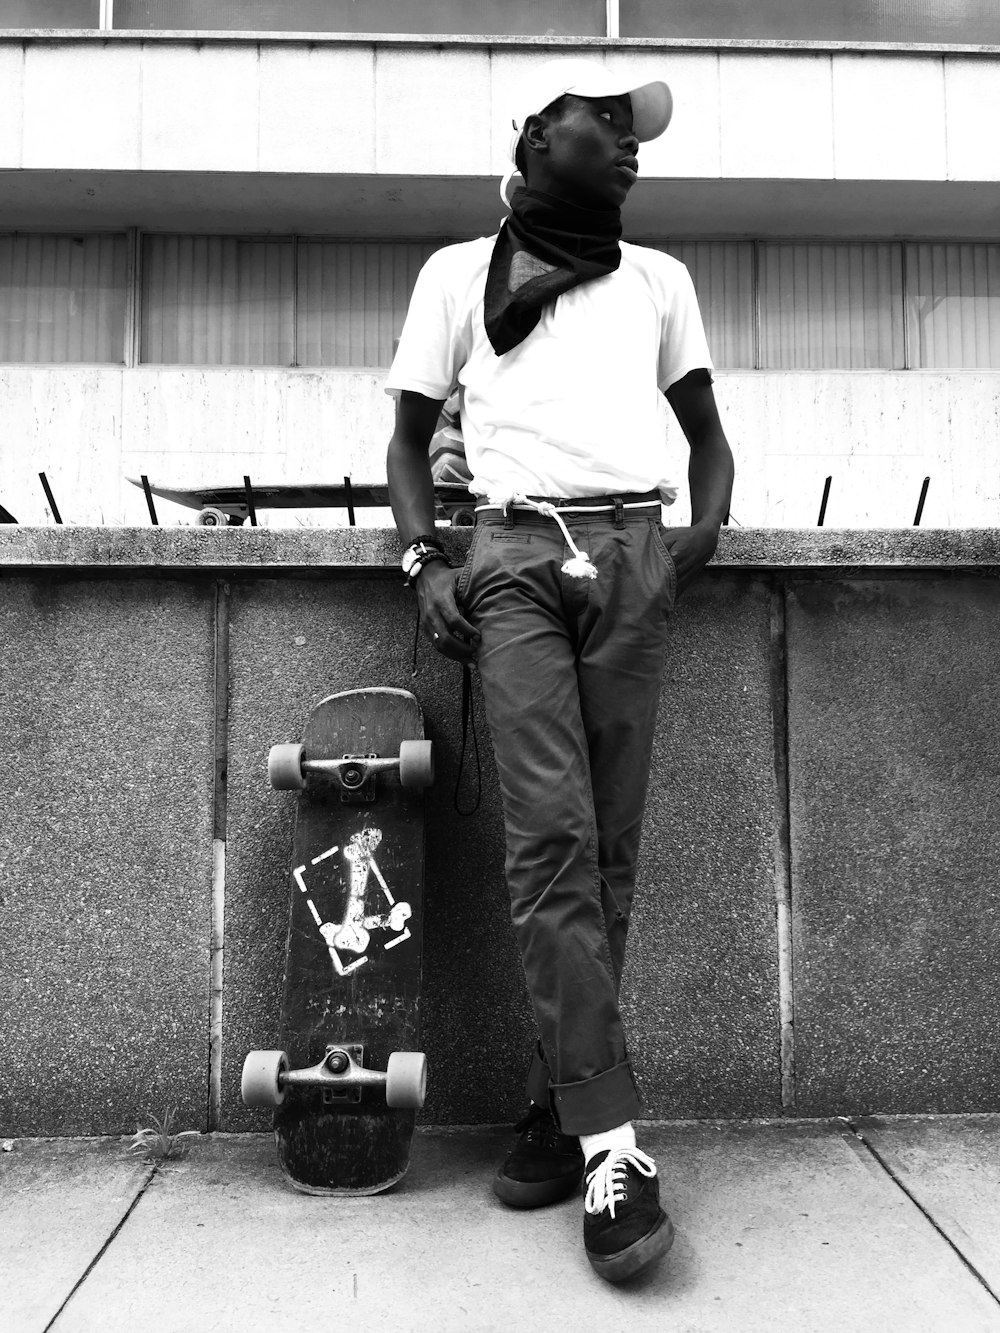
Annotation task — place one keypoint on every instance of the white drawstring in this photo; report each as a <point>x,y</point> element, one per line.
<point>606,1186</point>
<point>579,565</point>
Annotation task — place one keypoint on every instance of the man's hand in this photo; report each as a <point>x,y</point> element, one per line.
<point>411,491</point>
<point>691,549</point>
<point>440,617</point>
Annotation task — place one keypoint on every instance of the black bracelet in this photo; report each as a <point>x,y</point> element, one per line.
<point>426,539</point>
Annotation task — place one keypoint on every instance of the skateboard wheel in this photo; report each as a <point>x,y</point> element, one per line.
<point>211,518</point>
<point>261,1081</point>
<point>416,763</point>
<point>406,1080</point>
<point>284,767</point>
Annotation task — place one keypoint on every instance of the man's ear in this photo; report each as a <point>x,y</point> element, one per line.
<point>535,134</point>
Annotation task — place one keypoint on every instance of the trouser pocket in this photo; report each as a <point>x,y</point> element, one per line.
<point>462,585</point>
<point>659,540</point>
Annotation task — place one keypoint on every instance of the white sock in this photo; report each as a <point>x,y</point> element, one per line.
<point>622,1137</point>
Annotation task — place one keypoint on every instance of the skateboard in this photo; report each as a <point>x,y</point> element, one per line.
<point>230,506</point>
<point>347,1082</point>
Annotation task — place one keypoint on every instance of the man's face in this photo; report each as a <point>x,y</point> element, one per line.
<point>591,153</point>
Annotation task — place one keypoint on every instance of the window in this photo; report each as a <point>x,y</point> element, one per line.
<point>62,298</point>
<point>722,273</point>
<point>830,306</point>
<point>50,13</point>
<point>953,305</point>
<point>352,300</point>
<point>217,301</point>
<point>935,21</point>
<point>555,18</point>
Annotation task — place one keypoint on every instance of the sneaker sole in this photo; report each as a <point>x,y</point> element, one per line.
<point>535,1193</point>
<point>637,1257</point>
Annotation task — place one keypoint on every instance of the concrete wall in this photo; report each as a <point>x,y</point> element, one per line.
<point>121,103</point>
<point>815,932</point>
<point>877,434</point>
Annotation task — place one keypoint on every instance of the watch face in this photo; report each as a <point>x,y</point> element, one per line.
<point>411,555</point>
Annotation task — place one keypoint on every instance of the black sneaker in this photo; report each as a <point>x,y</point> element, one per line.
<point>543,1166</point>
<point>624,1228</point>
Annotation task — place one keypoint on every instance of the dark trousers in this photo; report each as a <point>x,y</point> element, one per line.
<point>571,671</point>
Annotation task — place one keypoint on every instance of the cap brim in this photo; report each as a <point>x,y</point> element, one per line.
<point>652,107</point>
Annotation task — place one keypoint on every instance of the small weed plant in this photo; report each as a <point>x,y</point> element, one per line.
<point>160,1141</point>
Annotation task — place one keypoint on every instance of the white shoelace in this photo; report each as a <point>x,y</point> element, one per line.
<point>606,1187</point>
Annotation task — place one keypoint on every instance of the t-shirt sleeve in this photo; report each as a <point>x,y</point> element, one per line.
<point>432,347</point>
<point>683,345</point>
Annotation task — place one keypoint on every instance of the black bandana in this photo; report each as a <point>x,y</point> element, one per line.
<point>545,248</point>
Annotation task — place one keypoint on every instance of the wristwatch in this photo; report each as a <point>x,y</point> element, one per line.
<point>419,553</point>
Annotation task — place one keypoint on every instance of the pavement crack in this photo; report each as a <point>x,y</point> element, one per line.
<point>154,1171</point>
<point>897,1180</point>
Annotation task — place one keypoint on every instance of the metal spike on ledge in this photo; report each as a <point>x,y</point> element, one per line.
<point>822,507</point>
<point>920,502</point>
<point>50,497</point>
<point>251,507</point>
<point>149,501</point>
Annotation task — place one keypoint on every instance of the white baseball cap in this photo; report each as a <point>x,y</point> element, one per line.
<point>546,82</point>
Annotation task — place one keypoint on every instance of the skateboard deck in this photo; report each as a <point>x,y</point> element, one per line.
<point>221,506</point>
<point>348,1079</point>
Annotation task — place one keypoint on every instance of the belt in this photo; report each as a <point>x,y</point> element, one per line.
<point>577,504</point>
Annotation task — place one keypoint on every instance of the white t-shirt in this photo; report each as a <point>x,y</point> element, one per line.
<point>575,409</point>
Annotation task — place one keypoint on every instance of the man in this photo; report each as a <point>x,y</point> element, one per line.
<point>562,341</point>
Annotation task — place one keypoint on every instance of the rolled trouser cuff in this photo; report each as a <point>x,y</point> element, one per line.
<point>596,1104</point>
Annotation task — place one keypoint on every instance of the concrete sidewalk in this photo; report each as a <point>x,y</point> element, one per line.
<point>889,1224</point>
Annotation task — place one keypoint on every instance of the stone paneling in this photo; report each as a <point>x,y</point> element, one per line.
<point>759,137</point>
<point>106,747</point>
<point>700,988</point>
<point>895,787</point>
<point>308,100</point>
<point>889,119</point>
<point>200,107</point>
<point>81,106</point>
<point>238,105</point>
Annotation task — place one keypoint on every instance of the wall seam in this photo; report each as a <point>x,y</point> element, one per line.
<point>782,844</point>
<point>219,815</point>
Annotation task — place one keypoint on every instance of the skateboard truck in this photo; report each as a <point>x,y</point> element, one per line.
<point>290,769</point>
<point>341,1076</point>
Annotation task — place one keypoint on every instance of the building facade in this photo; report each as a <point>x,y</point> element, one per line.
<point>210,225</point>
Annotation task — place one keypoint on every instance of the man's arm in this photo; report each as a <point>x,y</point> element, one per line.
<point>710,473</point>
<point>411,494</point>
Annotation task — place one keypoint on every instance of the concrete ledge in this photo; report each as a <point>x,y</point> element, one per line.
<point>502,41</point>
<point>260,551</point>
